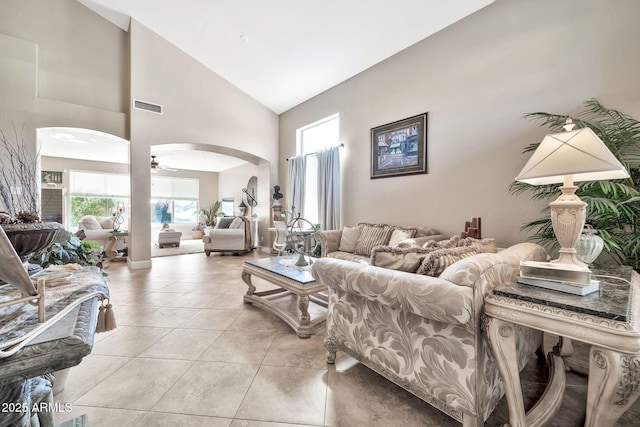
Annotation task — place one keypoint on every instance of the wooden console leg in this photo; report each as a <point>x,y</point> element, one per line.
<point>614,385</point>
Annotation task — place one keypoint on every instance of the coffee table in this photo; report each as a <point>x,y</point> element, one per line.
<point>290,279</point>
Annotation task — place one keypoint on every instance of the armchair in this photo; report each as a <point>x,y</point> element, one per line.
<point>231,234</point>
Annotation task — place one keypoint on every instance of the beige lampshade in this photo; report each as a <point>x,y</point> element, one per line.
<point>579,153</point>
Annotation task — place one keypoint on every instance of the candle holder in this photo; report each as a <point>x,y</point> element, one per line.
<point>117,217</point>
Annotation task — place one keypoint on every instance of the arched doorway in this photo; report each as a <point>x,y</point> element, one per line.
<point>223,173</point>
<point>84,171</point>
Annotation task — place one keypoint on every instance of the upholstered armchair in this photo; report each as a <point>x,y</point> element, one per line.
<point>230,234</point>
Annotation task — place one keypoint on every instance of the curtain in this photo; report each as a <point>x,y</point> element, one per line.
<point>329,188</point>
<point>297,168</point>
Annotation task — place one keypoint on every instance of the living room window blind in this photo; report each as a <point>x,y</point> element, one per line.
<point>98,184</point>
<point>174,199</point>
<point>175,187</point>
<point>97,193</point>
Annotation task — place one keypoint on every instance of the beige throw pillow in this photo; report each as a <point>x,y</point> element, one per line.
<point>237,223</point>
<point>437,261</point>
<point>401,259</point>
<point>400,234</point>
<point>370,237</point>
<point>106,223</point>
<point>483,245</point>
<point>349,239</point>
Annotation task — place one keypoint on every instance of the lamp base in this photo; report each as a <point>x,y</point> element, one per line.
<point>568,214</point>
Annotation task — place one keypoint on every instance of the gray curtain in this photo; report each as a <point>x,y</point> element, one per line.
<point>329,188</point>
<point>297,170</point>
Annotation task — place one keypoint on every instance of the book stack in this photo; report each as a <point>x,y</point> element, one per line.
<point>572,279</point>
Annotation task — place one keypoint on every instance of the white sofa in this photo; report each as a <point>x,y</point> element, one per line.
<point>98,228</point>
<point>230,234</point>
<point>425,333</point>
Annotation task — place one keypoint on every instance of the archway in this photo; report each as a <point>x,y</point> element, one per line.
<point>234,168</point>
<point>65,151</point>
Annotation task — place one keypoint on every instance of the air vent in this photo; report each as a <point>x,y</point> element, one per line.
<point>147,106</point>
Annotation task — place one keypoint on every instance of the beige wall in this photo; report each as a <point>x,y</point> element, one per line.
<point>60,65</point>
<point>232,181</point>
<point>199,108</point>
<point>477,79</point>
<point>63,65</point>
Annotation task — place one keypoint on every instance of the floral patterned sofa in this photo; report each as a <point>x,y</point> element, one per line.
<point>424,332</point>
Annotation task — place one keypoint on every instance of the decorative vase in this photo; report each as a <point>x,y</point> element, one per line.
<point>589,245</point>
<point>29,238</point>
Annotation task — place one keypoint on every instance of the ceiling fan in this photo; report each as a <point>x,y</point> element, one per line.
<point>155,166</point>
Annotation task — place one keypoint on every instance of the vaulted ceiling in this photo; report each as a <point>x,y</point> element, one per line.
<point>283,52</point>
<point>280,52</point>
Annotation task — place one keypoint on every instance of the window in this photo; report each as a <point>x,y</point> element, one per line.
<point>97,193</point>
<point>227,206</point>
<point>322,134</point>
<point>174,200</point>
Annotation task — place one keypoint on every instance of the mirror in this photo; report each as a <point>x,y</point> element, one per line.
<point>252,191</point>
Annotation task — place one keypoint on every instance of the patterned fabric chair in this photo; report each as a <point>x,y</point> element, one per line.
<point>424,333</point>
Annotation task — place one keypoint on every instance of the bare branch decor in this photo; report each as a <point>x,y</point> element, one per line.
<point>19,190</point>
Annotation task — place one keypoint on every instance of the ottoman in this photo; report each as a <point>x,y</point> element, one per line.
<point>169,238</point>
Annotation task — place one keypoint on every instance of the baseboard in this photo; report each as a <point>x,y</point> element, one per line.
<point>138,265</point>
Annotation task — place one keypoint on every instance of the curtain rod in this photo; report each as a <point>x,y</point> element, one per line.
<point>308,154</point>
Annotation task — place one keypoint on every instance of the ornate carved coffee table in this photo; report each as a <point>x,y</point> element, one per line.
<point>290,280</point>
<point>607,320</point>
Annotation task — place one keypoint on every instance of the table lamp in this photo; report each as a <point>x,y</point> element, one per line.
<point>572,155</point>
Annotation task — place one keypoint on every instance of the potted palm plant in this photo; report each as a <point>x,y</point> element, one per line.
<point>613,207</point>
<point>208,217</point>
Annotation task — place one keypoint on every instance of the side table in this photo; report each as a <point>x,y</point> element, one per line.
<point>607,320</point>
<point>110,251</point>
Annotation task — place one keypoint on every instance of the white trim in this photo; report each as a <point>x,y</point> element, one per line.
<point>138,265</point>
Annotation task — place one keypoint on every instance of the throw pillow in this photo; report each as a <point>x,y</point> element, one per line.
<point>400,234</point>
<point>437,261</point>
<point>349,239</point>
<point>106,223</point>
<point>401,259</point>
<point>237,223</point>
<point>90,222</point>
<point>424,231</point>
<point>224,222</point>
<point>483,245</point>
<point>406,243</point>
<point>372,236</point>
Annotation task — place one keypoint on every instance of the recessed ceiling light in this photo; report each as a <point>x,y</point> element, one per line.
<point>244,38</point>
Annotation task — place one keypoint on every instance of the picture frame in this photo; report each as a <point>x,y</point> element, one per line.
<point>49,177</point>
<point>399,148</point>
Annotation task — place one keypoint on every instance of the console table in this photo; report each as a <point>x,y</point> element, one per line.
<point>112,240</point>
<point>607,320</point>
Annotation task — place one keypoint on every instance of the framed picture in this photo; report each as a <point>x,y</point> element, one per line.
<point>399,148</point>
<point>51,177</point>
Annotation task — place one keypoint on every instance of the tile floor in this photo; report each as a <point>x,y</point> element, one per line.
<point>188,352</point>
